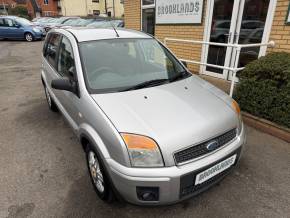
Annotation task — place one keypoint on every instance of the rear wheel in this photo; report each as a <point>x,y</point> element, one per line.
<point>28,37</point>
<point>98,175</point>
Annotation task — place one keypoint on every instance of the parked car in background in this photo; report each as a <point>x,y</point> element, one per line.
<point>153,133</point>
<point>107,23</point>
<point>12,27</point>
<point>77,22</point>
<point>58,22</point>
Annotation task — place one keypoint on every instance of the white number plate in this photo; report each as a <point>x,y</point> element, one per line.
<point>216,169</point>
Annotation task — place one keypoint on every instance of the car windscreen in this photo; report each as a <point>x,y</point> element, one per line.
<point>23,22</point>
<point>114,65</point>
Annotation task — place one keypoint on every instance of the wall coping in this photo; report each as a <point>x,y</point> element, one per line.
<point>267,126</point>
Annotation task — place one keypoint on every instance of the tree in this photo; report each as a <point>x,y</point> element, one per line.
<point>20,11</point>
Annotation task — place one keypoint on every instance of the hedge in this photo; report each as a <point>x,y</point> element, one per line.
<point>264,88</point>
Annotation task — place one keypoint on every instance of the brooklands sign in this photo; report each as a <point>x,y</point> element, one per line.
<point>178,11</point>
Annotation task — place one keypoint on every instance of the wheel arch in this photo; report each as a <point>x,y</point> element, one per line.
<point>26,32</point>
<point>87,135</point>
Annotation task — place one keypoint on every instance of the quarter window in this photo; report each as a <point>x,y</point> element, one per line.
<point>52,47</point>
<point>66,65</point>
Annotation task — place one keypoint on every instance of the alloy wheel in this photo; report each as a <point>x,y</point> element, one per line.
<point>28,37</point>
<point>96,172</point>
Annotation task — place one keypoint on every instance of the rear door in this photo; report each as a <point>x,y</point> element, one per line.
<point>3,28</point>
<point>49,63</point>
<point>12,31</point>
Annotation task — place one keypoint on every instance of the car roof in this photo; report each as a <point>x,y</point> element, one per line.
<point>83,34</point>
<point>11,17</point>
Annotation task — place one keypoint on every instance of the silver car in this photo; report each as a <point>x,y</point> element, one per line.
<point>153,133</point>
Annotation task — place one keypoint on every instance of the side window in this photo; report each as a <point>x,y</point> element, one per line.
<point>66,64</point>
<point>9,22</point>
<point>52,47</point>
<point>2,22</point>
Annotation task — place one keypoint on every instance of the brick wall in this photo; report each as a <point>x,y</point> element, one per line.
<point>182,50</point>
<point>132,14</point>
<point>47,10</point>
<point>280,32</point>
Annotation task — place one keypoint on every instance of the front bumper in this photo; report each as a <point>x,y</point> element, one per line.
<point>39,35</point>
<point>170,180</point>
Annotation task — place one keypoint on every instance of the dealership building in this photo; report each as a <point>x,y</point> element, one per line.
<point>219,21</point>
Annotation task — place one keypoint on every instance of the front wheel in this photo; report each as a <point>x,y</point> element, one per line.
<point>28,37</point>
<point>98,175</point>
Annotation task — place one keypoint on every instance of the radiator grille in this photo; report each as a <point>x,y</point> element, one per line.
<point>201,149</point>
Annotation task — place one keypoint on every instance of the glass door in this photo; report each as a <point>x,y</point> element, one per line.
<point>234,21</point>
<point>148,16</point>
<point>222,19</point>
<point>251,29</point>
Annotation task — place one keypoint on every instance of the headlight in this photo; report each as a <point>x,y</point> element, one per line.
<point>237,109</point>
<point>36,30</point>
<point>143,151</point>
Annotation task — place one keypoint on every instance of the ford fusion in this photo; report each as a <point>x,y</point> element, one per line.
<point>153,133</point>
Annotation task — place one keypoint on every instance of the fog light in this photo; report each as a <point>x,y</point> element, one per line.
<point>148,193</point>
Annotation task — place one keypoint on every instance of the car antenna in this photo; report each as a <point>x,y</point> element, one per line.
<point>117,34</point>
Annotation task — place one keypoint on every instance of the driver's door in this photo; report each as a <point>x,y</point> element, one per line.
<point>66,68</point>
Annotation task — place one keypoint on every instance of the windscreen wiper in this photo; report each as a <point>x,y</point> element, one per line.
<point>149,83</point>
<point>180,75</point>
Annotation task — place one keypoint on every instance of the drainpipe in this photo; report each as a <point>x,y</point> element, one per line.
<point>114,8</point>
<point>106,10</point>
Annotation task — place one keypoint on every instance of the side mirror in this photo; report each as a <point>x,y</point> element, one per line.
<point>17,25</point>
<point>64,84</point>
<point>184,63</point>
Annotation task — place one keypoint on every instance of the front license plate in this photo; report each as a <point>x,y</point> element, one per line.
<point>216,169</point>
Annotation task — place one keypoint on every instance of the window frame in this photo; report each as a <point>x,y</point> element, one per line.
<point>58,57</point>
<point>57,51</point>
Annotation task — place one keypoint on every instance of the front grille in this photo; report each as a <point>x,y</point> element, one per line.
<point>201,149</point>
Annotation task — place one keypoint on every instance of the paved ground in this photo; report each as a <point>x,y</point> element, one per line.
<point>43,171</point>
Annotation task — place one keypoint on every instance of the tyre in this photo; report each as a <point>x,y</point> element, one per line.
<point>98,175</point>
<point>28,37</point>
<point>52,106</point>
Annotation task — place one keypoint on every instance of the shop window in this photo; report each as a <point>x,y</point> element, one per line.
<point>148,2</point>
<point>148,16</point>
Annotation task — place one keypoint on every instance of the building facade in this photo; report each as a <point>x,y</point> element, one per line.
<point>221,21</point>
<point>43,8</point>
<point>113,8</point>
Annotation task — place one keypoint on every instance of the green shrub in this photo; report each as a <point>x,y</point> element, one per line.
<point>20,11</point>
<point>264,88</point>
